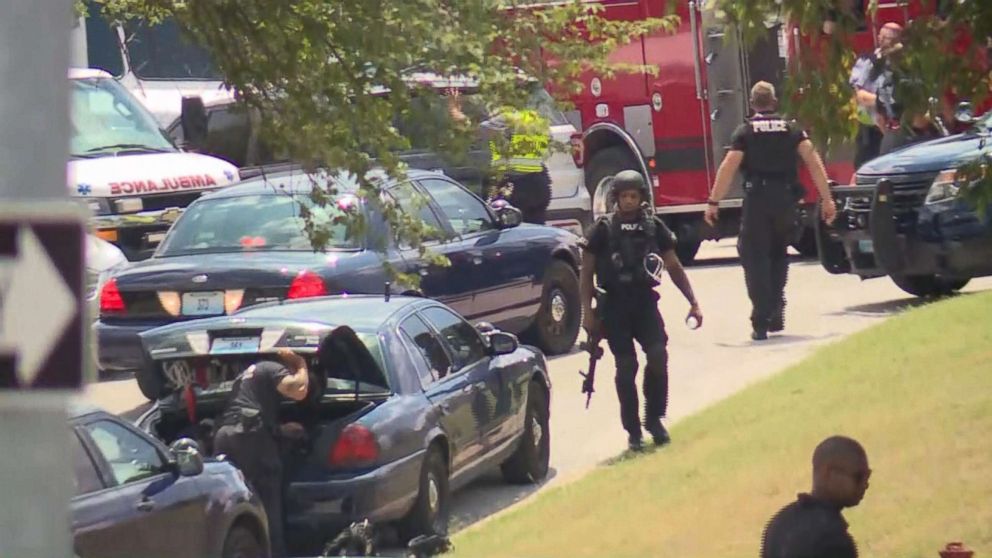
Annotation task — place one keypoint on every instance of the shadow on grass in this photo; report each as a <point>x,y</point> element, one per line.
<point>629,455</point>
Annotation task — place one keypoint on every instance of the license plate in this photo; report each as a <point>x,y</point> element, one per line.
<point>866,246</point>
<point>209,303</point>
<point>228,345</point>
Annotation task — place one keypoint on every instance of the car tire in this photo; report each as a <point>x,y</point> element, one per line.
<point>556,325</point>
<point>605,164</point>
<point>928,285</point>
<point>242,543</point>
<point>429,515</point>
<point>529,463</point>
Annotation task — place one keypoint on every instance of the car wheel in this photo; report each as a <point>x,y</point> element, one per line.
<point>556,326</point>
<point>928,285</point>
<point>529,463</point>
<point>429,515</point>
<point>241,543</point>
<point>600,169</point>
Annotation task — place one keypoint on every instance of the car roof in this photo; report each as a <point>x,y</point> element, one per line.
<point>362,313</point>
<point>83,73</point>
<point>301,182</point>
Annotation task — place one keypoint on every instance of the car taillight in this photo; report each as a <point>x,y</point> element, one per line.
<point>578,149</point>
<point>111,301</point>
<point>355,447</point>
<point>305,285</point>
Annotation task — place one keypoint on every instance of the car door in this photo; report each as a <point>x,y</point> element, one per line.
<point>438,282</point>
<point>167,511</point>
<point>489,257</point>
<point>490,389</point>
<point>449,392</point>
<point>100,525</point>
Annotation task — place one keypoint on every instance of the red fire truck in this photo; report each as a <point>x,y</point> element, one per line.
<point>675,127</point>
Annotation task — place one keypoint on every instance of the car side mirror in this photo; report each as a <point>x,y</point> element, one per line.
<point>502,343</point>
<point>189,460</point>
<point>507,215</point>
<point>965,114</point>
<point>194,122</point>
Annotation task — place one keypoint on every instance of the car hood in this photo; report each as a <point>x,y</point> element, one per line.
<point>199,341</point>
<point>930,156</point>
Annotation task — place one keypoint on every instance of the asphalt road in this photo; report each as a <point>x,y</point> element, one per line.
<point>706,365</point>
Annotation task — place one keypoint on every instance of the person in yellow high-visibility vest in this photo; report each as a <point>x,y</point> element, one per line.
<point>519,148</point>
<point>519,144</point>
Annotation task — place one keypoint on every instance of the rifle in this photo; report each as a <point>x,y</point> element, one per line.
<point>591,345</point>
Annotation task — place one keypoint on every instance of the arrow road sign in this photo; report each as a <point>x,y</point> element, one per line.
<point>41,302</point>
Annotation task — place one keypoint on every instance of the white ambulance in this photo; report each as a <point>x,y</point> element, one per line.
<point>128,171</point>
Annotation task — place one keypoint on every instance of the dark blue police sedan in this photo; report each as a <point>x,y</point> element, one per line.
<point>417,403</point>
<point>135,497</point>
<point>247,245</point>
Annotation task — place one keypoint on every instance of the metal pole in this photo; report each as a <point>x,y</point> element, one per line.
<point>35,472</point>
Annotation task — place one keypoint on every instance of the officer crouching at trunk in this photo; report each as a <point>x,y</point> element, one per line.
<point>249,430</point>
<point>624,253</point>
<point>766,149</point>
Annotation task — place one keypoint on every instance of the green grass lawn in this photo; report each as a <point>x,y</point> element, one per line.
<point>914,390</point>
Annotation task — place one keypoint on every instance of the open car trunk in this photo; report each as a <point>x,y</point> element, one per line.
<point>196,386</point>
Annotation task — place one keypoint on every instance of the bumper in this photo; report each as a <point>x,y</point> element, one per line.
<point>118,347</point>
<point>572,219</point>
<point>873,237</point>
<point>319,509</point>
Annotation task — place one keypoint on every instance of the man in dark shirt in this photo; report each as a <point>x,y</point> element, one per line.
<point>812,526</point>
<point>767,149</point>
<point>624,253</point>
<point>249,427</point>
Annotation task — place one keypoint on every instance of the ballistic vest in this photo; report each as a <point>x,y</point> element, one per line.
<point>628,243</point>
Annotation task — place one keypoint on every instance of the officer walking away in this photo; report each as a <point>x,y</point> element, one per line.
<point>249,430</point>
<point>624,249</point>
<point>766,149</point>
<point>812,526</point>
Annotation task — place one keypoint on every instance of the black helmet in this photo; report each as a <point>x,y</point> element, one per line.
<point>627,180</point>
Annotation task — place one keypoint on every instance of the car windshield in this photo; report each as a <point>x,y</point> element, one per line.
<point>105,118</point>
<point>262,222</point>
<point>162,52</point>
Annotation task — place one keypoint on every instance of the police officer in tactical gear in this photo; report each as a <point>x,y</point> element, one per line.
<point>766,149</point>
<point>249,430</point>
<point>621,250</point>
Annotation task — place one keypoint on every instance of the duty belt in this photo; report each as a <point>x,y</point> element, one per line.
<point>755,182</point>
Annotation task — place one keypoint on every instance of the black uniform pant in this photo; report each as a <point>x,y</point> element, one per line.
<point>629,314</point>
<point>767,226</point>
<point>531,194</point>
<point>256,453</point>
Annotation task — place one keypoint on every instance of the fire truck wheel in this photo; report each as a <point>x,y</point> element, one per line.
<point>687,241</point>
<point>601,167</point>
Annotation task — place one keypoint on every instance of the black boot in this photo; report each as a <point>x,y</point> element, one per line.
<point>658,432</point>
<point>777,322</point>
<point>635,442</point>
<point>759,334</point>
